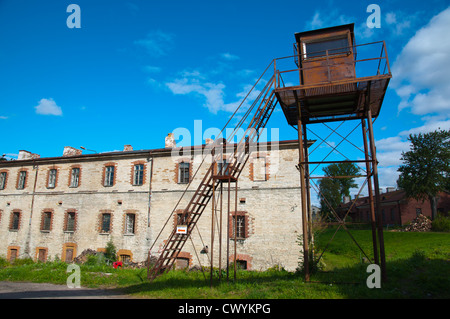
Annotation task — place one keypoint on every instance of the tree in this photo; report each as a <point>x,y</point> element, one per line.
<point>332,190</point>
<point>426,167</point>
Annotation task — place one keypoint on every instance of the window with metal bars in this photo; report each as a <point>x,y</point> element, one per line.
<point>15,222</point>
<point>240,231</point>
<point>138,174</point>
<point>70,221</point>
<point>46,221</point>
<point>106,223</point>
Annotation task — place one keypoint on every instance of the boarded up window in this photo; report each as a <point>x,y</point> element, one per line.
<point>12,255</point>
<point>259,169</point>
<point>182,263</point>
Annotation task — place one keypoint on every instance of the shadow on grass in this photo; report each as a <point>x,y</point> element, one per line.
<point>416,277</point>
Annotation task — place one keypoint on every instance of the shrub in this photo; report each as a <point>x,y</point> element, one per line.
<point>441,223</point>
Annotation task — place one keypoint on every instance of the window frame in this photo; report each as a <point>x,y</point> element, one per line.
<point>138,174</point>
<point>102,223</point>
<point>51,180</point>
<point>127,226</point>
<point>70,227</point>
<point>3,179</point>
<point>109,175</point>
<point>22,179</point>
<point>45,217</point>
<point>75,177</point>
<point>321,54</point>
<point>15,222</point>
<point>183,171</point>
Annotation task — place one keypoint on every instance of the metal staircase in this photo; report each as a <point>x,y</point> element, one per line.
<point>265,103</point>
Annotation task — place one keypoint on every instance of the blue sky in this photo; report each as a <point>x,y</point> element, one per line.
<point>137,70</point>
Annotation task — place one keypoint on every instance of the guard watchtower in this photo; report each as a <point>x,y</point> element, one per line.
<point>334,80</point>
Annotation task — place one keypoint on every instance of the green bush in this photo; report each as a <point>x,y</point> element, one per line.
<point>441,223</point>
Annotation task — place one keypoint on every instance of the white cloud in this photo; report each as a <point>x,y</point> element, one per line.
<point>229,56</point>
<point>48,107</point>
<point>212,93</point>
<point>3,117</point>
<point>157,43</point>
<point>421,72</point>
<point>327,19</point>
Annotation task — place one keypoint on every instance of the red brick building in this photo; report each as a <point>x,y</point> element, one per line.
<point>396,208</point>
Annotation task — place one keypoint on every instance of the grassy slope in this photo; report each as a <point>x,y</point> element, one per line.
<point>418,266</point>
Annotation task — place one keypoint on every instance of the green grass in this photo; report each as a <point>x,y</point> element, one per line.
<point>418,266</point>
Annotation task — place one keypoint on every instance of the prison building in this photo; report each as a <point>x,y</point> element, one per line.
<point>57,207</point>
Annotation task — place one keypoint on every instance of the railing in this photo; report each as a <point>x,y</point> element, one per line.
<point>288,70</point>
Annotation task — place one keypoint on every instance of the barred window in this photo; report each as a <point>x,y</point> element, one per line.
<point>106,223</point>
<point>109,176</point>
<point>70,222</point>
<point>52,178</point>
<point>240,231</point>
<point>138,174</point>
<point>15,223</point>
<point>46,221</point>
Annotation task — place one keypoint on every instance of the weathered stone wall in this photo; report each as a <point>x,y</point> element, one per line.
<point>271,207</point>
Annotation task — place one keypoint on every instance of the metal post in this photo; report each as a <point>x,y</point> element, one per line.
<point>220,231</point>
<point>235,229</point>
<point>369,188</point>
<point>212,233</point>
<point>228,231</point>
<point>308,194</point>
<point>303,195</point>
<point>377,196</point>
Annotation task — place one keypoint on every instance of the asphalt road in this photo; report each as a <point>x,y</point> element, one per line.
<point>28,290</point>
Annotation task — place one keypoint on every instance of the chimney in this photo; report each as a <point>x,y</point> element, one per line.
<point>127,148</point>
<point>71,151</point>
<point>346,199</point>
<point>25,155</point>
<point>170,141</point>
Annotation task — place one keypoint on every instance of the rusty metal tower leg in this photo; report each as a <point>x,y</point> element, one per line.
<point>370,190</point>
<point>304,199</point>
<point>377,196</point>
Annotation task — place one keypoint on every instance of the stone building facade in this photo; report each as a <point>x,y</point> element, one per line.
<point>60,206</point>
